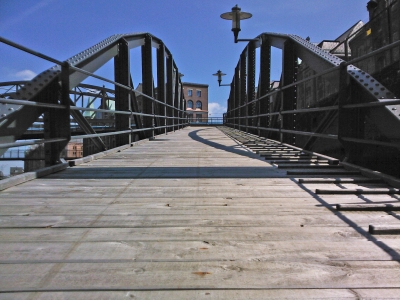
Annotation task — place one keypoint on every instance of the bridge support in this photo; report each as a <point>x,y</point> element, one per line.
<point>244,110</point>
<point>170,91</point>
<point>147,85</point>
<point>122,95</point>
<point>264,85</point>
<point>161,88</point>
<point>351,121</point>
<point>57,121</point>
<point>251,84</point>
<point>289,95</point>
<point>176,99</point>
<point>237,97</point>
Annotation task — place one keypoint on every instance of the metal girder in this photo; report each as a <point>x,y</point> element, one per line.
<point>237,96</point>
<point>170,90</point>
<point>57,121</point>
<point>289,100</point>
<point>244,110</point>
<point>161,88</point>
<point>264,83</point>
<point>251,83</point>
<point>122,95</point>
<point>176,99</point>
<point>147,84</point>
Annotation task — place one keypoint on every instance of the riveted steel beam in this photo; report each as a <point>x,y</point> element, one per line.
<point>243,77</point>
<point>264,83</point>
<point>289,100</point>
<point>237,97</point>
<point>176,99</point>
<point>147,84</point>
<point>170,90</point>
<point>161,88</point>
<point>57,121</point>
<point>122,95</point>
<point>251,84</point>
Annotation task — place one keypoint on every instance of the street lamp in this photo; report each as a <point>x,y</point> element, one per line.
<point>220,74</point>
<point>236,15</point>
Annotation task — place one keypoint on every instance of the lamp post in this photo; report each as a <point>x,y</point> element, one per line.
<point>236,15</point>
<point>220,74</point>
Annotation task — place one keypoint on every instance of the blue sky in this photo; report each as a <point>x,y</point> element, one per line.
<point>199,39</point>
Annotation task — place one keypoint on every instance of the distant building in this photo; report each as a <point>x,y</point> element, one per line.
<point>73,150</point>
<point>196,97</point>
<point>16,171</point>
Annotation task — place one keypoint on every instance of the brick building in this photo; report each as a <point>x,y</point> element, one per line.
<point>196,97</point>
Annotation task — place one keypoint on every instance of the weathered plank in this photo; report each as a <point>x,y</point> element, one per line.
<point>193,216</point>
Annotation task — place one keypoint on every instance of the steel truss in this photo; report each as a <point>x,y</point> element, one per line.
<point>352,97</point>
<point>54,94</point>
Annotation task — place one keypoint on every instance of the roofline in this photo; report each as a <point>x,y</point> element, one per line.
<point>191,83</point>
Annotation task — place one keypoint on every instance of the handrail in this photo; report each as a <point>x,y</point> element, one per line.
<point>83,63</point>
<point>382,97</point>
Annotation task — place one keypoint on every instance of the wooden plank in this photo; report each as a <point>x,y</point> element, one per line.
<point>204,275</point>
<point>195,213</point>
<point>131,219</point>
<point>106,251</point>
<point>234,294</point>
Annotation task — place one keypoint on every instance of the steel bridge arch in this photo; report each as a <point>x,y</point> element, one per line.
<point>52,86</point>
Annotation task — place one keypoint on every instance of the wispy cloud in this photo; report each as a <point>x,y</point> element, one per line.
<point>25,75</point>
<point>215,109</point>
<point>24,14</point>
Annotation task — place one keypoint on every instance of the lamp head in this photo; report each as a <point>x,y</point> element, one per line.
<point>236,15</point>
<point>219,74</point>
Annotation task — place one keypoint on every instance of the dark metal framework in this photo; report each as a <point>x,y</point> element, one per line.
<point>277,113</point>
<point>51,97</point>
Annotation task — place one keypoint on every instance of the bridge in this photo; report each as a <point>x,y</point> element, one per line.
<point>295,196</point>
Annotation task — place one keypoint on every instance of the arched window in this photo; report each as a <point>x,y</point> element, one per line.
<point>199,105</point>
<point>190,104</point>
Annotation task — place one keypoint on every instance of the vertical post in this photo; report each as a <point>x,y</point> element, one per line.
<point>342,100</point>
<point>182,104</point>
<point>264,83</point>
<point>147,84</point>
<point>251,84</point>
<point>57,121</point>
<point>122,95</point>
<point>289,96</point>
<point>351,121</point>
<point>237,97</point>
<point>161,88</point>
<point>243,100</point>
<point>176,98</point>
<point>170,93</point>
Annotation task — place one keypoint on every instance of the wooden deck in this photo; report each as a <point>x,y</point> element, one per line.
<point>194,215</point>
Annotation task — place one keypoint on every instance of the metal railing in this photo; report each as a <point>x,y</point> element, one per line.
<point>206,121</point>
<point>160,116</point>
<point>340,103</point>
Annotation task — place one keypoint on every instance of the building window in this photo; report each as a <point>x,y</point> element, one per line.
<point>190,104</point>
<point>198,93</point>
<point>190,93</point>
<point>199,117</point>
<point>198,105</point>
